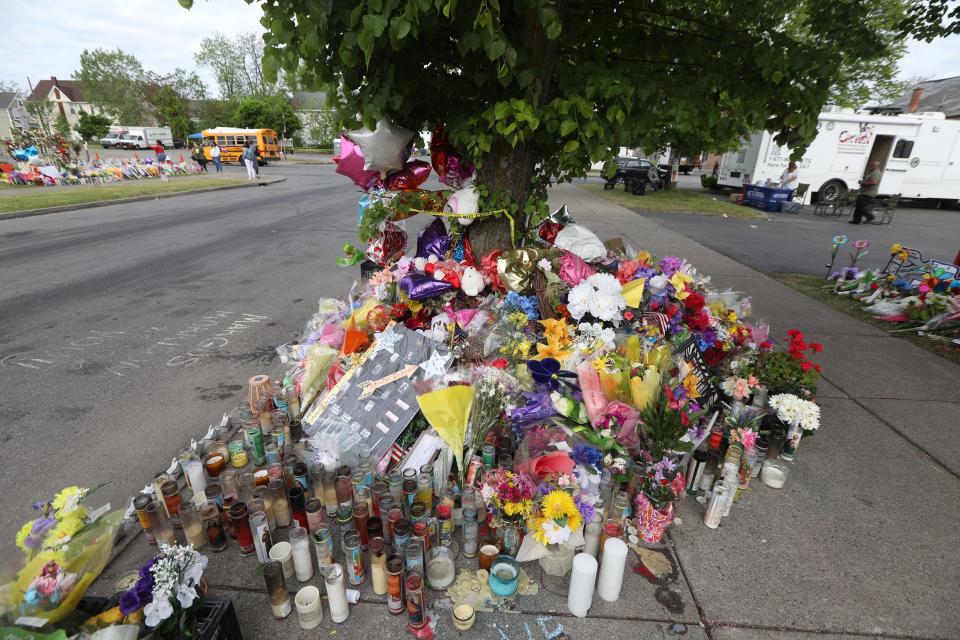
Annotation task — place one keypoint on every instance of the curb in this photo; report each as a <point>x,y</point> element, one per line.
<point>29,213</point>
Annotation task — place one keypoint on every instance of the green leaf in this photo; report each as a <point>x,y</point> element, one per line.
<point>374,24</point>
<point>495,49</point>
<point>571,146</point>
<point>567,126</point>
<point>399,28</point>
<point>186,4</point>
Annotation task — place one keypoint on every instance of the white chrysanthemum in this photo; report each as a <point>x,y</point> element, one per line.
<point>578,301</point>
<point>796,411</point>
<point>553,533</point>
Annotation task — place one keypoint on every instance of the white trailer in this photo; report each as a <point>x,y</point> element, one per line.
<point>919,154</point>
<point>143,137</point>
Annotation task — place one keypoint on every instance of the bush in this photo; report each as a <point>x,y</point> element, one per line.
<point>708,181</point>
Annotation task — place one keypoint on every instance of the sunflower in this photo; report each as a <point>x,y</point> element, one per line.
<point>560,507</point>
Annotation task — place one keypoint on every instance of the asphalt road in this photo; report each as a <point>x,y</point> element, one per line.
<point>125,329</point>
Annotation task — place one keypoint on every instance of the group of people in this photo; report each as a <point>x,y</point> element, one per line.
<point>869,188</point>
<point>250,157</point>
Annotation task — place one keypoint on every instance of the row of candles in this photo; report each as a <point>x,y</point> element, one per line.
<point>399,530</point>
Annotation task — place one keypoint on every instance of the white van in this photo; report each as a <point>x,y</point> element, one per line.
<point>919,154</point>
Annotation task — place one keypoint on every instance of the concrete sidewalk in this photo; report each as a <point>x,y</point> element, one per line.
<point>860,543</point>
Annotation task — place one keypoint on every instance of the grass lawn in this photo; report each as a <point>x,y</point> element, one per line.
<point>24,198</point>
<point>676,201</point>
<point>813,286</point>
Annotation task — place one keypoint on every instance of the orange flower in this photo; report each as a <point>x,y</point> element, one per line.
<point>556,330</point>
<point>552,349</point>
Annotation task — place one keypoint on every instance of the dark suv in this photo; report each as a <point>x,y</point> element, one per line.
<point>636,174</point>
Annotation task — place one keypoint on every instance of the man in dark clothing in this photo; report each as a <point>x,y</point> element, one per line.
<point>869,188</point>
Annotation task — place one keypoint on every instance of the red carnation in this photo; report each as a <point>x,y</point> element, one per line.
<point>816,347</point>
<point>695,302</point>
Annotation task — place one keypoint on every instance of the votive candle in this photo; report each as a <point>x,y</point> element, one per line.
<point>309,609</point>
<point>336,593</point>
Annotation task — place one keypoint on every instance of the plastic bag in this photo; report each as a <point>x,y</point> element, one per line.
<point>81,563</point>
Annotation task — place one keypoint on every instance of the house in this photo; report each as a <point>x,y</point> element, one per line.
<point>930,95</point>
<point>13,114</point>
<point>316,118</point>
<point>66,97</point>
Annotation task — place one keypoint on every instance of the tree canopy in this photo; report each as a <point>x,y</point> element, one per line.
<point>112,80</point>
<point>92,127</point>
<point>236,64</point>
<point>269,112</point>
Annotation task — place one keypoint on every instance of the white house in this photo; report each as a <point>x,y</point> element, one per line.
<point>66,97</point>
<point>13,114</point>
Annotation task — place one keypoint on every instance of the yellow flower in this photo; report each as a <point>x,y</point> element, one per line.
<point>679,281</point>
<point>521,508</point>
<point>521,349</point>
<point>690,384</point>
<point>896,247</point>
<point>559,506</point>
<point>22,536</point>
<point>551,350</point>
<point>518,319</point>
<point>557,330</point>
<point>644,257</point>
<point>68,496</point>
<point>731,316</point>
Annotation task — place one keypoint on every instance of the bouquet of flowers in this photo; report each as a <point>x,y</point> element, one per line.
<point>791,371</point>
<point>557,516</point>
<point>510,494</point>
<point>65,549</point>
<point>667,419</point>
<point>493,390</point>
<point>796,412</point>
<point>658,485</point>
<point>168,591</point>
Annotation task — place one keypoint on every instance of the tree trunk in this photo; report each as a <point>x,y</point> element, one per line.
<point>510,170</point>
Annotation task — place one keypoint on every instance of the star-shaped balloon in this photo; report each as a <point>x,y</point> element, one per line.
<point>385,341</point>
<point>383,148</point>
<point>436,365</point>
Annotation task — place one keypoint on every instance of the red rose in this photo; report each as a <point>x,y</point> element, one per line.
<point>714,356</point>
<point>694,302</point>
<point>499,363</point>
<point>766,344</point>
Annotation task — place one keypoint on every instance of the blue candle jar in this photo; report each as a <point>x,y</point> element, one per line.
<point>504,576</point>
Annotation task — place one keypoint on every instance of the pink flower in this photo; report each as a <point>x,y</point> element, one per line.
<point>753,382</point>
<point>861,244</point>
<point>741,389</point>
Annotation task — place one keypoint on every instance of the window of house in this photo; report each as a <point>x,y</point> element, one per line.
<point>903,149</point>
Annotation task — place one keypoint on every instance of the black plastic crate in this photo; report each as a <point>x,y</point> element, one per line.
<point>218,620</point>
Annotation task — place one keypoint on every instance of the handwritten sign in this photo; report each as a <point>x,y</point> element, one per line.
<point>689,359</point>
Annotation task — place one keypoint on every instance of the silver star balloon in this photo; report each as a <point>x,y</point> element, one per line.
<point>560,216</point>
<point>383,148</point>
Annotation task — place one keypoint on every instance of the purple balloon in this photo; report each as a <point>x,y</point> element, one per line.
<point>420,286</point>
<point>433,241</point>
<point>351,165</point>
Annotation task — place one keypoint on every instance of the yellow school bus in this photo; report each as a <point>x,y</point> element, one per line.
<point>231,142</point>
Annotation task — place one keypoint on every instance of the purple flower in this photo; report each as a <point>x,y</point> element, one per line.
<point>145,569</point>
<point>41,526</point>
<point>129,602</point>
<point>584,507</point>
<point>670,265</point>
<point>538,409</point>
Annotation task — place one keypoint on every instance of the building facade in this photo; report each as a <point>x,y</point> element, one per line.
<point>13,114</point>
<point>67,99</point>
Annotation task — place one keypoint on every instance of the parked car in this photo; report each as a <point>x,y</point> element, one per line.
<point>179,143</point>
<point>636,174</point>
<point>130,141</point>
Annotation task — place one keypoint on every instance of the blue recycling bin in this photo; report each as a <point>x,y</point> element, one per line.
<point>765,198</point>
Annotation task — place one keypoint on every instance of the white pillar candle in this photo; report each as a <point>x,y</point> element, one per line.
<point>302,560</point>
<point>611,570</point>
<point>196,477</point>
<point>282,552</point>
<point>582,577</point>
<point>337,593</point>
<point>309,609</point>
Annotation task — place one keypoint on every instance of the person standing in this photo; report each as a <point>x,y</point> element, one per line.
<point>790,178</point>
<point>250,160</point>
<point>256,157</point>
<point>200,158</point>
<point>161,152</point>
<point>869,188</point>
<point>215,156</point>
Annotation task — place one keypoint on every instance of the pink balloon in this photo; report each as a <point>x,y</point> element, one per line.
<point>350,164</point>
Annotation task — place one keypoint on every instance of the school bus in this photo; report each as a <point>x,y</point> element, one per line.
<point>231,142</point>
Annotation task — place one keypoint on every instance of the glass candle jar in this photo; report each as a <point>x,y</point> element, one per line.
<point>160,524</point>
<point>421,531</point>
<point>171,497</point>
<point>612,528</point>
<point>323,544</point>
<point>276,590</point>
<point>395,600</point>
<point>378,565</point>
<point>468,498</point>
<point>364,495</point>
<point>216,536</point>
<point>192,527</point>
<point>309,609</point>
<point>228,481</point>
<point>378,491</point>
<point>374,528</point>
<point>247,485</point>
<point>761,445</point>
<point>238,454</point>
<point>504,576</point>
<point>353,559</point>
<point>425,491</point>
<point>330,503</point>
<point>297,505</point>
<point>418,512</point>
<point>344,521</point>
<point>470,532</point>
<point>416,600</point>
<point>302,562</point>
<point>140,504</point>
<point>229,499</point>
<point>591,538</point>
<point>440,567</point>
<point>261,497</point>
<point>241,524</point>
<point>360,518</point>
<point>314,513</point>
<point>620,506</point>
<point>272,452</point>
<point>488,553</point>
<point>261,477</point>
<point>401,535</point>
<point>301,475</point>
<point>255,439</point>
<point>344,490</point>
<point>336,593</point>
<point>396,487</point>
<point>413,556</point>
<point>277,492</point>
<point>260,528</point>
<point>214,493</point>
<point>489,454</point>
<point>214,464</point>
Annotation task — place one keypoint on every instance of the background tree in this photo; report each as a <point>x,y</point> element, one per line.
<point>62,126</point>
<point>92,127</point>
<point>270,112</point>
<point>112,80</point>
<point>170,110</point>
<point>537,88</point>
<point>41,115</point>
<point>236,64</point>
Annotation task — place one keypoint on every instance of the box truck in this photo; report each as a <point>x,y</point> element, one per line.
<point>919,154</point>
<point>138,137</point>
